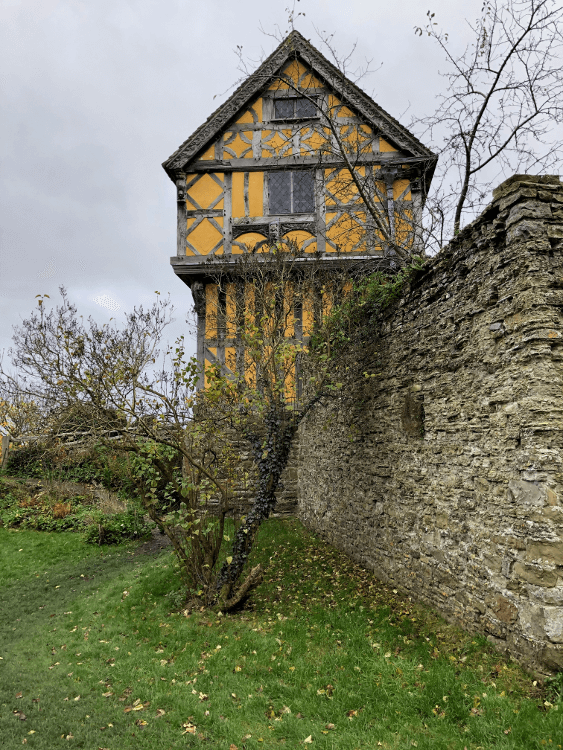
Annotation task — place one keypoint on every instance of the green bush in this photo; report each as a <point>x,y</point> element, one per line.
<point>116,528</point>
<point>98,464</point>
<point>49,513</point>
<point>42,519</point>
<point>27,460</point>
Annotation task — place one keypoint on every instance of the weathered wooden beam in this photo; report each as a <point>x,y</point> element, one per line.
<point>204,212</point>
<point>298,162</point>
<point>182,216</point>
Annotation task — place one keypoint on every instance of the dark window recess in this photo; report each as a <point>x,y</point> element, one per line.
<point>291,192</point>
<point>294,108</point>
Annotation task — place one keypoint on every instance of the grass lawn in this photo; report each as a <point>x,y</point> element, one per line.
<point>94,655</point>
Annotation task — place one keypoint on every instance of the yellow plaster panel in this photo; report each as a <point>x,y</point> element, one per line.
<point>318,140</point>
<point>211,311</point>
<point>253,114</point>
<point>403,227</point>
<point>288,312</point>
<point>341,184</point>
<point>238,147</point>
<point>300,237</point>
<point>205,236</point>
<point>209,154</point>
<point>245,118</point>
<point>299,76</point>
<point>399,187</point>
<point>359,139</point>
<point>205,191</point>
<point>346,231</point>
<point>231,310</point>
<point>250,239</point>
<point>308,314</point>
<point>337,109</point>
<point>380,191</point>
<point>384,146</point>
<point>238,195</point>
<point>256,193</point>
<point>276,143</point>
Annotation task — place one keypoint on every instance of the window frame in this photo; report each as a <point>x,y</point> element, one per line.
<point>294,99</point>
<point>291,173</point>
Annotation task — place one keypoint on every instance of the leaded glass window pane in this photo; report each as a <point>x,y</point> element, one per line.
<point>293,108</point>
<point>279,186</point>
<point>305,108</point>
<point>291,192</point>
<point>303,193</point>
<point>284,109</point>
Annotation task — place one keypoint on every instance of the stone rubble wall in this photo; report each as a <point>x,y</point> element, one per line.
<point>244,492</point>
<point>444,472</point>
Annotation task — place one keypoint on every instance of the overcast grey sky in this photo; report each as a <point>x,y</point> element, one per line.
<point>97,94</point>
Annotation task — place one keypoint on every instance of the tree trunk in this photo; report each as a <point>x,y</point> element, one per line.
<point>271,456</point>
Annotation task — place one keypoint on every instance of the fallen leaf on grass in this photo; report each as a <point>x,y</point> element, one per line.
<point>308,740</point>
<point>330,726</point>
<point>141,723</point>
<point>19,695</point>
<point>233,747</point>
<point>107,695</point>
<point>190,728</point>
<point>160,712</point>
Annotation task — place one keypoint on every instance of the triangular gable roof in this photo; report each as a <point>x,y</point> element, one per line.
<point>295,45</point>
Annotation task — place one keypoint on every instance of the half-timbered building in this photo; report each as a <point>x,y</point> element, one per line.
<point>294,155</point>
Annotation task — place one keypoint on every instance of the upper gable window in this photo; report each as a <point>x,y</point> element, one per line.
<point>291,192</point>
<point>294,108</point>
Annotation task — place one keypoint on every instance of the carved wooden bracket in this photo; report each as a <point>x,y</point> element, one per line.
<point>198,293</point>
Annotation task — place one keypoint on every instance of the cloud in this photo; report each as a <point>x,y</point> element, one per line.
<point>105,301</point>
